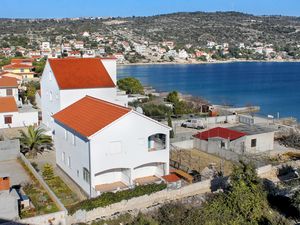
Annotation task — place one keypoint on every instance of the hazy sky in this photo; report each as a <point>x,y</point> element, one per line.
<point>78,8</point>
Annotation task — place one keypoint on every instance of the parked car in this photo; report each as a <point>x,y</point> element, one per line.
<point>193,123</point>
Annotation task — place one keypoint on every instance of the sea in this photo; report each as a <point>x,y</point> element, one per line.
<point>274,86</point>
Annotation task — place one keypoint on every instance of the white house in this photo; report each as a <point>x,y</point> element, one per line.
<point>107,147</point>
<point>65,81</point>
<point>240,139</point>
<point>9,87</point>
<point>12,116</point>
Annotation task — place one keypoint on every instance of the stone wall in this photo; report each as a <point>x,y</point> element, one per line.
<point>9,149</point>
<point>140,203</point>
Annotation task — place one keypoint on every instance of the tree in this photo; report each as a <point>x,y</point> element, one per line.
<point>170,125</point>
<point>173,97</point>
<point>48,173</point>
<point>35,140</point>
<point>131,85</point>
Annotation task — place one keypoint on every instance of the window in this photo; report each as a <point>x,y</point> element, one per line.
<point>156,142</point>
<point>7,119</point>
<point>66,135</point>
<point>50,75</point>
<point>222,144</point>
<point>63,157</point>
<point>77,173</point>
<point>50,96</point>
<point>9,92</point>
<point>22,70</point>
<point>86,175</point>
<point>74,140</point>
<point>69,162</point>
<point>253,143</point>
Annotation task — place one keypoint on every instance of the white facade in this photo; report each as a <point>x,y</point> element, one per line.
<point>19,119</point>
<point>53,99</point>
<point>120,152</point>
<point>14,91</point>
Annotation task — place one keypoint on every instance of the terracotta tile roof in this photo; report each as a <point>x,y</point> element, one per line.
<point>89,115</point>
<point>220,132</point>
<point>17,66</point>
<point>171,178</point>
<point>20,61</point>
<point>73,73</point>
<point>8,104</point>
<point>8,82</point>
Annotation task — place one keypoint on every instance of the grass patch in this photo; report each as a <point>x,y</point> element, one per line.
<point>109,198</point>
<point>39,197</point>
<point>62,191</point>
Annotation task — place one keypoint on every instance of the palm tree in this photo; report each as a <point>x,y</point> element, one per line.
<point>35,140</point>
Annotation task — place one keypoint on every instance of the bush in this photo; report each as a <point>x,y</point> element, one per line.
<point>48,173</point>
<point>131,85</point>
<point>109,198</point>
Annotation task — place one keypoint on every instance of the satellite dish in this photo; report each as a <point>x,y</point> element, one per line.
<point>139,110</point>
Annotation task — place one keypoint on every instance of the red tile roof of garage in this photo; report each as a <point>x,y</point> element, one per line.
<point>76,73</point>
<point>220,132</point>
<point>8,104</point>
<point>89,115</point>
<point>8,81</point>
<point>171,178</point>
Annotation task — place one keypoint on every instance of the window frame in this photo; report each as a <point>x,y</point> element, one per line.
<point>253,143</point>
<point>8,117</point>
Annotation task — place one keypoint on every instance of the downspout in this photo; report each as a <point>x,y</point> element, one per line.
<point>89,144</point>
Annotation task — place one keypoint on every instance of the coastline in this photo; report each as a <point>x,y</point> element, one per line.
<point>209,62</point>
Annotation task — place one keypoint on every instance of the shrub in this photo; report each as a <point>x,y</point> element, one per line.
<point>48,173</point>
<point>109,198</point>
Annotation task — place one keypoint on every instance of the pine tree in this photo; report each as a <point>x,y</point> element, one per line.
<point>48,173</point>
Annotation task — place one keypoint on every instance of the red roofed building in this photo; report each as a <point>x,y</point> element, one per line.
<point>9,87</point>
<point>65,81</point>
<point>239,139</point>
<point>107,147</point>
<point>21,67</point>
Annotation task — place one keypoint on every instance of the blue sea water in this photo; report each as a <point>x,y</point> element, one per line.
<point>275,87</point>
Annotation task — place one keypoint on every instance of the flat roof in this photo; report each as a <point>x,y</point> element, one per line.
<point>253,129</point>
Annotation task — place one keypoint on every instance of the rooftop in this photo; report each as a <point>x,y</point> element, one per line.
<point>8,82</point>
<point>17,66</point>
<point>76,73</point>
<point>8,104</point>
<point>220,132</point>
<point>251,130</point>
<point>89,115</point>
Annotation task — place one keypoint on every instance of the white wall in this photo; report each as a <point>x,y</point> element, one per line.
<point>15,93</point>
<point>49,86</point>
<point>132,132</point>
<point>111,67</point>
<point>264,142</point>
<point>19,119</point>
<point>79,154</point>
<point>69,96</point>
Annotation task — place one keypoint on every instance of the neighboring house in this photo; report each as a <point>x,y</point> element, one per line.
<point>65,81</point>
<point>9,87</point>
<point>107,147</point>
<point>240,139</point>
<point>12,116</point>
<point>20,69</point>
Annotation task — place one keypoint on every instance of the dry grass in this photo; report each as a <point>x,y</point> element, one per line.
<point>198,160</point>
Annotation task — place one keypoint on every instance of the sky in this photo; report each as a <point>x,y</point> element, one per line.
<point>82,8</point>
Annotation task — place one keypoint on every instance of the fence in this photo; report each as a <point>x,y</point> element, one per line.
<point>56,218</point>
<point>9,149</point>
<point>140,203</point>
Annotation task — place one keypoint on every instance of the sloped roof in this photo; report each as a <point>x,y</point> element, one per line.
<point>220,132</point>
<point>17,66</point>
<point>8,82</point>
<point>89,115</point>
<point>8,104</point>
<point>76,73</point>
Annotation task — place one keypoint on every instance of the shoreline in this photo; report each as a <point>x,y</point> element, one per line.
<point>211,62</point>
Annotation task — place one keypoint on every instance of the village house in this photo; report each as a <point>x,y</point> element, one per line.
<point>23,70</point>
<point>240,139</point>
<point>75,54</point>
<point>9,87</point>
<point>65,81</point>
<point>12,116</point>
<point>107,147</point>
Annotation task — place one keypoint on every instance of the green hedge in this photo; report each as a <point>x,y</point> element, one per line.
<point>109,198</point>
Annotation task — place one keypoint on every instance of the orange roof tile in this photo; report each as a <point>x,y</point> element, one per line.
<point>89,115</point>
<point>17,66</point>
<point>8,104</point>
<point>8,82</point>
<point>73,73</point>
<point>20,61</point>
<point>170,178</point>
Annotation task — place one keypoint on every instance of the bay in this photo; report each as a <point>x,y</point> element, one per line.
<point>275,87</point>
